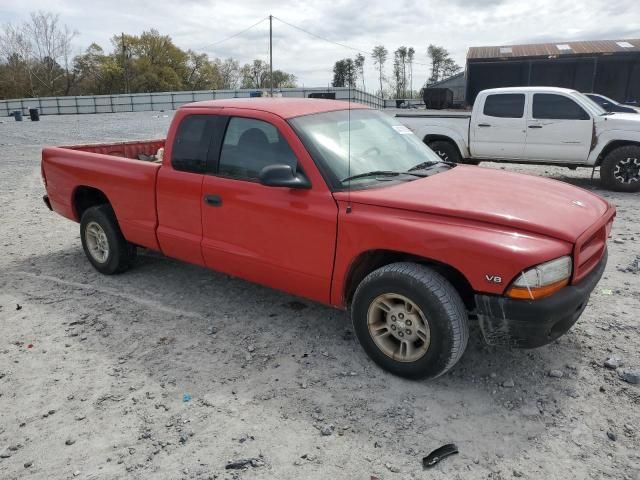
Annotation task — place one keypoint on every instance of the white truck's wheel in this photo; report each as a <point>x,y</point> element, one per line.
<point>620,170</point>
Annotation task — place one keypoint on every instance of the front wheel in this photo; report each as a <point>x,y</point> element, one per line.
<point>410,320</point>
<point>103,242</point>
<point>620,170</point>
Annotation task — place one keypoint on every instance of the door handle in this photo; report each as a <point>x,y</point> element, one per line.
<point>535,126</point>
<point>213,200</point>
<point>484,125</point>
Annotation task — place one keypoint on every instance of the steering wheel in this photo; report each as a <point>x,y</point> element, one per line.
<point>370,150</point>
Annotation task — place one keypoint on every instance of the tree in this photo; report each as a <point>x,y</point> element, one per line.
<point>410,54</point>
<point>283,79</point>
<point>41,48</point>
<point>358,64</point>
<point>400,71</point>
<point>229,72</point>
<point>442,65</point>
<point>201,73</point>
<point>345,73</point>
<point>379,55</point>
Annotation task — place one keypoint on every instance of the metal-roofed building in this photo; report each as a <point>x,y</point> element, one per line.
<point>609,67</point>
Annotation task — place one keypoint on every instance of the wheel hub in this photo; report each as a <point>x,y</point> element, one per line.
<point>398,327</point>
<point>97,242</point>
<point>627,170</point>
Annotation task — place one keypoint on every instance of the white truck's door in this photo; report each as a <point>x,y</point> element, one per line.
<point>498,127</point>
<point>558,129</point>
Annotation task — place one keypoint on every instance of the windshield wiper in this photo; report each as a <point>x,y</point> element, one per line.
<point>378,173</point>
<point>429,164</point>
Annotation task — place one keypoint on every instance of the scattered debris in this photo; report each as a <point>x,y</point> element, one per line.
<point>245,463</point>
<point>69,441</point>
<point>606,291</point>
<point>392,468</point>
<point>326,430</point>
<point>508,383</point>
<point>556,373</point>
<point>613,362</point>
<point>18,306</point>
<point>28,464</point>
<point>438,454</point>
<point>186,397</point>
<point>630,376</point>
<point>612,436</point>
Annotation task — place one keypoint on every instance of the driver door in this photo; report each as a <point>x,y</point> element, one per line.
<point>280,237</point>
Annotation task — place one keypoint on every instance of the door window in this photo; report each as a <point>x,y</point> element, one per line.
<point>548,106</point>
<point>505,105</point>
<point>249,146</point>
<point>192,147</point>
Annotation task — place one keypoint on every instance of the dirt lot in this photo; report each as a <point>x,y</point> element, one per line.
<point>171,371</point>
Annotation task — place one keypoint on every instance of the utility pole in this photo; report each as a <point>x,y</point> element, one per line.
<point>124,65</point>
<point>271,54</point>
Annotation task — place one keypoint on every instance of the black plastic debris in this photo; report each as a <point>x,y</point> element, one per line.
<point>438,454</point>
<point>244,463</point>
<point>18,306</point>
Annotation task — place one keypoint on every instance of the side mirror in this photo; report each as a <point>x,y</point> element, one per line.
<point>281,175</point>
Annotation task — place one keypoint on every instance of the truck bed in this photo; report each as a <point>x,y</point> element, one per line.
<point>132,150</point>
<point>117,170</point>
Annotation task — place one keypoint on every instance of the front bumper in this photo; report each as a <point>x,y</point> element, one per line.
<point>533,323</point>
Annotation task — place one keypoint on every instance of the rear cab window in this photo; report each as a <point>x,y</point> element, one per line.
<point>504,105</point>
<point>550,106</point>
<point>196,143</point>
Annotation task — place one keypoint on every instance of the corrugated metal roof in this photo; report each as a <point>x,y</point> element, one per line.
<point>559,48</point>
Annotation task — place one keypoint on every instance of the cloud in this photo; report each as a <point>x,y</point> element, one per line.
<point>456,25</point>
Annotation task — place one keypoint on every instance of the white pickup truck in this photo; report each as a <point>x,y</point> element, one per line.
<point>538,125</point>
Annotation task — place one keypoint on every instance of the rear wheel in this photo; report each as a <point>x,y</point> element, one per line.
<point>447,151</point>
<point>103,242</point>
<point>620,170</point>
<point>410,320</point>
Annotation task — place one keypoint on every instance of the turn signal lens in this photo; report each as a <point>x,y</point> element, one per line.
<point>542,281</point>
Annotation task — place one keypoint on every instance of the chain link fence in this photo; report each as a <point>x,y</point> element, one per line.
<point>141,102</point>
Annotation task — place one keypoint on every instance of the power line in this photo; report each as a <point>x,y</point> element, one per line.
<point>335,43</point>
<point>234,35</point>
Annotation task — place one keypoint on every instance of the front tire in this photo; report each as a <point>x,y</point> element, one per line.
<point>103,242</point>
<point>620,170</point>
<point>410,320</point>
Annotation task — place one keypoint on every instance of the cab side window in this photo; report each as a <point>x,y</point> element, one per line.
<point>504,105</point>
<point>549,106</point>
<point>250,145</point>
<point>194,144</point>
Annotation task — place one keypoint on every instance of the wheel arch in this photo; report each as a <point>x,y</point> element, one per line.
<point>368,261</point>
<point>611,146</point>
<point>432,137</point>
<point>85,197</point>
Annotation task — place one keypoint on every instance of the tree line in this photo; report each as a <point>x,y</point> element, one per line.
<point>36,60</point>
<point>348,72</point>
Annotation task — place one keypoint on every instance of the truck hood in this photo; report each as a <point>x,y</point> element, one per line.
<point>620,121</point>
<point>524,202</point>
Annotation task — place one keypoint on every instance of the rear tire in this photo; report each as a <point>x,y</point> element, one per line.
<point>620,170</point>
<point>103,242</point>
<point>410,320</point>
<point>447,151</point>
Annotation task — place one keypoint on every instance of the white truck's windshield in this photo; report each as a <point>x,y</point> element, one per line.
<point>354,143</point>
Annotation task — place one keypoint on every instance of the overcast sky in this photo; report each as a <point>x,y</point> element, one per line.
<point>454,24</point>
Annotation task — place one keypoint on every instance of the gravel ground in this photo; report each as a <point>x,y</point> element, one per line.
<point>171,371</point>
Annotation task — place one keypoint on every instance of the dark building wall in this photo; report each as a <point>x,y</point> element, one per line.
<point>616,76</point>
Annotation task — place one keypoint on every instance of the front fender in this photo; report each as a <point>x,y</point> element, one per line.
<point>482,253</point>
<point>605,139</point>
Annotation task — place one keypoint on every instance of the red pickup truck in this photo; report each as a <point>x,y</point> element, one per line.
<point>343,205</point>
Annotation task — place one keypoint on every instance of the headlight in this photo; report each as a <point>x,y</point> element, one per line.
<point>542,280</point>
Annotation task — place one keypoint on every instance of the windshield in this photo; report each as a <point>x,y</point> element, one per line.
<point>374,142</point>
<point>595,108</point>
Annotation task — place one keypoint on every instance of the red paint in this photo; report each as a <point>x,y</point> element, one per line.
<point>478,221</point>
